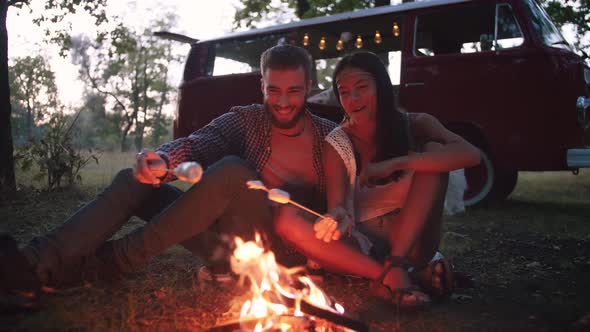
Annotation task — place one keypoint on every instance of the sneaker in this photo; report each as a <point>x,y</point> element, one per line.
<point>99,268</point>
<point>19,285</point>
<point>213,274</point>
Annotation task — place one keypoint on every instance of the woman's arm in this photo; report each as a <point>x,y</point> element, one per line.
<point>452,152</point>
<point>336,177</point>
<point>337,191</point>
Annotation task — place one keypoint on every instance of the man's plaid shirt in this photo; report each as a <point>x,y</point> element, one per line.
<point>244,132</point>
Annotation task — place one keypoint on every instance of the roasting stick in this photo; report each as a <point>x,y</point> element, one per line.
<point>280,196</point>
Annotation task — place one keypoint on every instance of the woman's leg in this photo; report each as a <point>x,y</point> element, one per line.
<point>415,232</point>
<point>341,257</point>
<point>336,256</point>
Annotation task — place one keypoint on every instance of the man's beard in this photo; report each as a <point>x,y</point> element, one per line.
<point>285,124</point>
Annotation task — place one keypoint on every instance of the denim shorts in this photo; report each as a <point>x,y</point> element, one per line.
<point>381,247</point>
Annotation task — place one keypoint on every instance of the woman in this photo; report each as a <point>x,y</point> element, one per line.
<point>387,174</point>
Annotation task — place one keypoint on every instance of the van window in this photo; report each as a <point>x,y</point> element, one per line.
<point>543,26</point>
<point>236,56</point>
<point>326,43</point>
<point>325,68</point>
<point>469,29</point>
<point>508,32</point>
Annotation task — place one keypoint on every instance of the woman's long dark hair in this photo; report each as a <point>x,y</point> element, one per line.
<point>391,134</point>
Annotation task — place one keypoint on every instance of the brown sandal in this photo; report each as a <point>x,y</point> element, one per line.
<point>404,298</point>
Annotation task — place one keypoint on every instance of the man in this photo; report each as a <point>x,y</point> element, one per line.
<point>279,142</point>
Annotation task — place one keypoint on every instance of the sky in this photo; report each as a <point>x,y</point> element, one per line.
<point>200,19</point>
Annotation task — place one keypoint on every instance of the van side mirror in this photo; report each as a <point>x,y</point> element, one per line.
<point>485,42</point>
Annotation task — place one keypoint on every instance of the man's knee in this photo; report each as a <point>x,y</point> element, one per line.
<point>125,190</point>
<point>123,183</point>
<point>124,176</point>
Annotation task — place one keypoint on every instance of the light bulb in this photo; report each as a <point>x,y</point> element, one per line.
<point>339,45</point>
<point>306,40</point>
<point>378,39</point>
<point>322,44</point>
<point>395,29</point>
<point>359,42</point>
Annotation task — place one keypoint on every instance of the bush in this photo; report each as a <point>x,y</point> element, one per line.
<point>55,154</point>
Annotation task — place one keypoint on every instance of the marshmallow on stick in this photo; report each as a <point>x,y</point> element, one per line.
<point>189,171</point>
<point>279,196</point>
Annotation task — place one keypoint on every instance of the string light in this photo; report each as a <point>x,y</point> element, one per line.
<point>322,44</point>
<point>339,45</point>
<point>306,40</point>
<point>395,29</point>
<point>378,39</point>
<point>359,42</point>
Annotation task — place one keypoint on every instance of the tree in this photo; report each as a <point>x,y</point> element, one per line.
<point>576,13</point>
<point>131,70</point>
<point>33,89</point>
<point>96,129</point>
<point>55,11</point>
<point>254,11</point>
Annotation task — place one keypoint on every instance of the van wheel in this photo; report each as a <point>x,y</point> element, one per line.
<point>488,184</point>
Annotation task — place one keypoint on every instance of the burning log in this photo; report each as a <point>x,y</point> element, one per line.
<point>282,299</point>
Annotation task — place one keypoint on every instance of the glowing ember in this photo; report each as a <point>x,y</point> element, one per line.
<point>277,292</point>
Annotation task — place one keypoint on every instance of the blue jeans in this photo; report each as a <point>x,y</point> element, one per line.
<point>219,204</point>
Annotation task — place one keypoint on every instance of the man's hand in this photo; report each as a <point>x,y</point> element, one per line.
<point>149,167</point>
<point>336,223</point>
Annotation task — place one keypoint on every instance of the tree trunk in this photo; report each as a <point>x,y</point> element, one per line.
<point>141,126</point>
<point>140,129</point>
<point>29,122</point>
<point>158,117</point>
<point>157,125</point>
<point>7,180</point>
<point>379,3</point>
<point>124,147</point>
<point>302,8</point>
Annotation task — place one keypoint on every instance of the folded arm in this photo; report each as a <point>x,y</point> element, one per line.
<point>452,152</point>
<point>340,221</point>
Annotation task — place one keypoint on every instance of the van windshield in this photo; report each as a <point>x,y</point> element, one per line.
<point>544,27</point>
<point>326,43</point>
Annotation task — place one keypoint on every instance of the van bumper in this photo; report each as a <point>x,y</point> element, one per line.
<point>578,158</point>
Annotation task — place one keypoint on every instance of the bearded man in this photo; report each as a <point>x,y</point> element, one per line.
<point>279,142</point>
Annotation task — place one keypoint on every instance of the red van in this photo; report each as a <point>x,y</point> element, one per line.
<point>497,72</point>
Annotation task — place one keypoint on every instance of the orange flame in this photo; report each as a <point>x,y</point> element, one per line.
<point>271,285</point>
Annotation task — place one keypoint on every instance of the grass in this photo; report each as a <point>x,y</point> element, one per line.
<point>97,176</point>
<point>530,258</point>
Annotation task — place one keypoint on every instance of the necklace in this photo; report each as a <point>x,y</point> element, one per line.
<point>299,133</point>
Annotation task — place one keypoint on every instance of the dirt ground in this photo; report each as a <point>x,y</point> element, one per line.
<point>529,257</point>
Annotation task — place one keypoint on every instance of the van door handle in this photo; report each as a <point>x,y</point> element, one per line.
<point>409,85</point>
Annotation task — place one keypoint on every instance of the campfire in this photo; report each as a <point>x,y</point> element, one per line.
<point>282,299</point>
